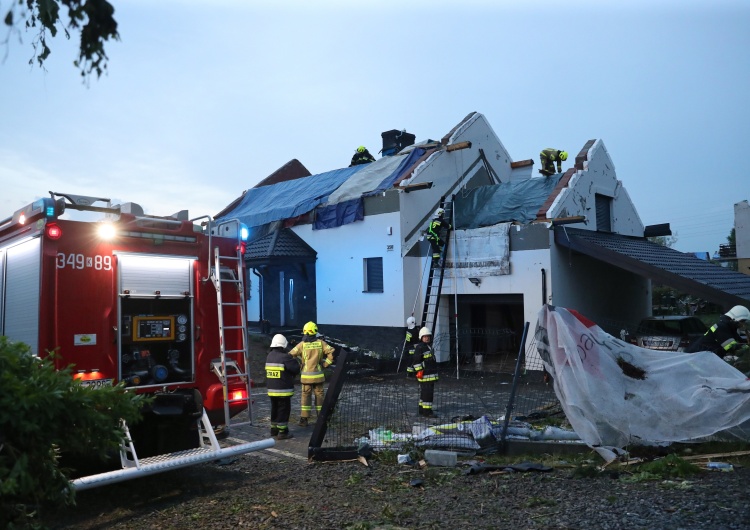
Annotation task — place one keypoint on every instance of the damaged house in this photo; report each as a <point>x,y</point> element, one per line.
<point>346,248</point>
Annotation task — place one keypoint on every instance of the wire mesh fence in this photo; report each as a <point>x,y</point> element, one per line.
<point>379,402</point>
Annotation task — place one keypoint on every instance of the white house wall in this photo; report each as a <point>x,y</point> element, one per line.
<point>525,278</point>
<point>597,177</point>
<point>339,271</point>
<point>609,295</point>
<point>448,172</point>
<point>742,235</point>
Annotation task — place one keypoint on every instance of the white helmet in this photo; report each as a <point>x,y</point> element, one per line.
<point>438,213</point>
<point>423,332</point>
<point>279,341</point>
<point>739,314</point>
<point>411,322</point>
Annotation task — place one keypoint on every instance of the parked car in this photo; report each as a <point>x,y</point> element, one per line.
<point>669,333</point>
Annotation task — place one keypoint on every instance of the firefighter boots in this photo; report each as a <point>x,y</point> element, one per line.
<point>284,435</point>
<point>274,432</point>
<point>303,422</point>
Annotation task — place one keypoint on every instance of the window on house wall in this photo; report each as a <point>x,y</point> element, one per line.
<point>603,213</point>
<point>373,275</point>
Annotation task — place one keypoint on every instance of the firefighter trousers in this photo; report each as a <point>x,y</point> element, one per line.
<point>306,401</point>
<point>281,407</point>
<point>426,394</point>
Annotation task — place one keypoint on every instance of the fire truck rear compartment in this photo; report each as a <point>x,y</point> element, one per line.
<point>155,339</point>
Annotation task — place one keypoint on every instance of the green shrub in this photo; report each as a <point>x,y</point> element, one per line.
<point>43,414</point>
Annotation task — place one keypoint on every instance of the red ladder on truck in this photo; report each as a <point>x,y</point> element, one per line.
<point>229,270</point>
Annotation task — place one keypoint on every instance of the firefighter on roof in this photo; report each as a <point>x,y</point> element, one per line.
<point>549,157</point>
<point>425,366</point>
<point>412,338</point>
<point>361,156</point>
<point>436,233</point>
<point>722,338</point>
<point>315,356</point>
<point>281,369</point>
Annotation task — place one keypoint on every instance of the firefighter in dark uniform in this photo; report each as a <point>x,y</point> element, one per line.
<point>281,369</point>
<point>361,156</point>
<point>722,338</point>
<point>436,233</point>
<point>549,157</point>
<point>425,366</point>
<point>412,338</point>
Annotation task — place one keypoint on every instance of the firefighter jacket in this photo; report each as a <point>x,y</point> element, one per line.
<point>549,157</point>
<point>721,338</point>
<point>315,355</point>
<point>424,361</point>
<point>412,339</point>
<point>281,368</point>
<point>437,229</point>
<point>362,158</point>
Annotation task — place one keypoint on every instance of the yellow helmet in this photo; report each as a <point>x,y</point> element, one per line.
<point>361,149</point>
<point>310,329</point>
<point>563,155</point>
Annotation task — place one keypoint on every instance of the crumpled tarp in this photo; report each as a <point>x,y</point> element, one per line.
<point>515,201</point>
<point>615,394</point>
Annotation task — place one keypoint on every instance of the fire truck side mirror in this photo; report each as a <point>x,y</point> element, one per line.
<point>59,206</point>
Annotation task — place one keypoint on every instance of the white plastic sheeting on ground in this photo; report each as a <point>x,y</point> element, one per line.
<point>615,394</point>
<point>481,252</point>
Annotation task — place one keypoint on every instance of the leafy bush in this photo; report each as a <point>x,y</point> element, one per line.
<point>44,413</point>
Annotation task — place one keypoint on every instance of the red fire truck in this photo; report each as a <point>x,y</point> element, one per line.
<point>154,303</point>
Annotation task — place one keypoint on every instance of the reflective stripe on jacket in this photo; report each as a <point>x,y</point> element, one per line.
<point>281,369</point>
<point>316,355</point>
<point>424,360</point>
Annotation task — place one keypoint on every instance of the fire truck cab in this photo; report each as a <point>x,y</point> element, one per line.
<point>154,303</point>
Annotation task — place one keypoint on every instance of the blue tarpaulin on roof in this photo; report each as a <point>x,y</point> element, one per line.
<point>288,199</point>
<point>338,214</point>
<point>517,201</point>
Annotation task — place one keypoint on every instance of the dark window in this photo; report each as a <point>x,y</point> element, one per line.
<point>373,275</point>
<point>603,213</point>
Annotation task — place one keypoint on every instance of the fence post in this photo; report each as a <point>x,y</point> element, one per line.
<point>516,377</point>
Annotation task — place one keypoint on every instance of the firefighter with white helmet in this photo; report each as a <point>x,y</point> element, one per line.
<point>281,369</point>
<point>315,355</point>
<point>425,365</point>
<point>410,343</point>
<point>722,338</point>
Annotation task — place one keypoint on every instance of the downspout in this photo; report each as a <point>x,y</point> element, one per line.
<point>544,287</point>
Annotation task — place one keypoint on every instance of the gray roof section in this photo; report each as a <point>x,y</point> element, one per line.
<point>659,263</point>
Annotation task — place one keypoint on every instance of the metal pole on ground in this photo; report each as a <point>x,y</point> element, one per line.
<point>516,376</point>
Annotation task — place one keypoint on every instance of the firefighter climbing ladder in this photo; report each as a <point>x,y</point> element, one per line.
<point>232,318</point>
<point>436,277</point>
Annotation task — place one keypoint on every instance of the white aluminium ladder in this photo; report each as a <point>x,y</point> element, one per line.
<point>229,270</point>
